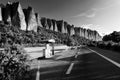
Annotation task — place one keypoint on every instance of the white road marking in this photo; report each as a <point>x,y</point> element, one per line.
<point>108,59</point>
<point>38,73</point>
<point>76,55</point>
<point>70,68</point>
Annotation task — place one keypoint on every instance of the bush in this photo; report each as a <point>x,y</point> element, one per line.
<point>13,63</point>
<point>109,45</point>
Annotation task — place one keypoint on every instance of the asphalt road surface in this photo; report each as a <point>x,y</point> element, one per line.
<point>86,64</point>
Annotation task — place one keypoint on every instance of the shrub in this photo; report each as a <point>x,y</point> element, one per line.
<point>13,63</point>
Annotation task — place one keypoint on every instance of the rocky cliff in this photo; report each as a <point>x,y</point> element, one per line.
<point>44,22</point>
<point>38,20</point>
<point>62,26</point>
<point>50,24</point>
<point>54,25</point>
<point>17,16</point>
<point>31,19</point>
<point>27,19</point>
<point>1,13</point>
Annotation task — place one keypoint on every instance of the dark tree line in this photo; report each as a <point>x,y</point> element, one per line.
<point>115,37</point>
<point>110,42</point>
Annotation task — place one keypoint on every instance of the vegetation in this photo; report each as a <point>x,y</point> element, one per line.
<point>110,42</point>
<point>13,60</point>
<point>13,64</point>
<point>115,37</point>
<point>12,34</point>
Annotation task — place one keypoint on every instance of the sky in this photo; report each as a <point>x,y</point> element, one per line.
<point>100,15</point>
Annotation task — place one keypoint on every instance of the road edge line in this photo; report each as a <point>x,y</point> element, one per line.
<point>106,58</point>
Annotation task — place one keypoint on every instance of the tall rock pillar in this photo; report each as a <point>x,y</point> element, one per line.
<point>18,17</point>
<point>32,23</point>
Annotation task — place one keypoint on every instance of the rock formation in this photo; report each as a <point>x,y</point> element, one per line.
<point>54,25</point>
<point>50,24</point>
<point>85,33</point>
<point>38,20</point>
<point>31,19</point>
<point>72,32</point>
<point>44,23</point>
<point>6,13</point>
<point>65,26</point>
<point>18,17</point>
<point>62,26</point>
<point>77,31</point>
<point>1,18</point>
<point>27,19</point>
<point>69,29</point>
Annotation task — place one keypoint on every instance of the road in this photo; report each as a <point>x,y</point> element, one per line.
<point>86,64</point>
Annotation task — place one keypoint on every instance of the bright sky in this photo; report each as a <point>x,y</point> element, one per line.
<point>100,15</point>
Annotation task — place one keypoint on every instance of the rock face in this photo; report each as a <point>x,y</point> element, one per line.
<point>18,17</point>
<point>38,19</point>
<point>72,31</point>
<point>6,11</point>
<point>54,25</point>
<point>31,19</point>
<point>77,30</point>
<point>27,19</point>
<point>62,26</point>
<point>69,29</point>
<point>87,33</point>
<point>50,24</point>
<point>1,13</point>
<point>44,23</point>
<point>65,27</point>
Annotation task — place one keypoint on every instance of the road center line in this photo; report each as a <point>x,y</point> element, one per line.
<point>70,68</point>
<point>108,59</point>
